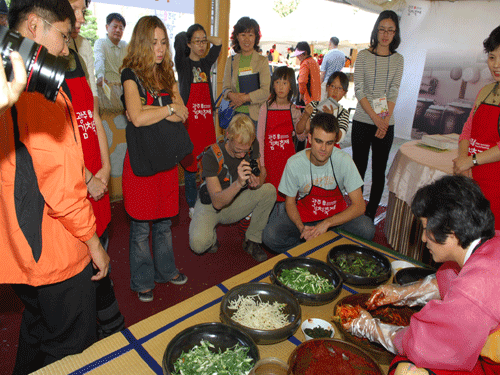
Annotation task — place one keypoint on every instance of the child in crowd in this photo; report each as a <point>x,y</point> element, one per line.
<point>336,88</point>
<point>277,120</point>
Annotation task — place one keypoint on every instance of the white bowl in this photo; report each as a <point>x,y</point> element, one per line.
<point>399,265</point>
<point>314,322</point>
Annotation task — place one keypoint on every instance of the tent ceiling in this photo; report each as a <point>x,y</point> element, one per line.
<point>380,5</point>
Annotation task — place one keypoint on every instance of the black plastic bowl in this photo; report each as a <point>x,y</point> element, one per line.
<point>412,274</point>
<point>222,336</point>
<point>315,267</point>
<point>357,280</point>
<point>267,293</point>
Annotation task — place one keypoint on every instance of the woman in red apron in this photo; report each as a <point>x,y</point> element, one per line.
<point>97,171</point>
<point>276,127</point>
<point>151,198</point>
<point>479,145</point>
<point>193,71</point>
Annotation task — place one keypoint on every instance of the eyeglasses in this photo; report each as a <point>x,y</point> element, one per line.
<point>66,38</point>
<point>336,88</point>
<point>199,42</point>
<point>387,31</point>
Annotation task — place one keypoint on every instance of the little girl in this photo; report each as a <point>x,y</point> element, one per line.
<point>336,88</point>
<point>277,120</point>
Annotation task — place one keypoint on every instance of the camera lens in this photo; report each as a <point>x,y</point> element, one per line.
<point>45,71</point>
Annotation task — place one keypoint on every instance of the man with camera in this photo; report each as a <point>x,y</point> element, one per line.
<point>47,227</point>
<point>233,188</point>
<point>314,182</point>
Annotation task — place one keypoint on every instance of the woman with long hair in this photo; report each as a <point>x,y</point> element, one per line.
<point>246,65</point>
<point>148,78</point>
<point>377,76</point>
<point>195,86</point>
<point>479,145</point>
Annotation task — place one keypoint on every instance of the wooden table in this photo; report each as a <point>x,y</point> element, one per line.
<point>139,349</point>
<point>412,168</point>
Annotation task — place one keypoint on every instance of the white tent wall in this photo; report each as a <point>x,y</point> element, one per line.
<point>437,37</point>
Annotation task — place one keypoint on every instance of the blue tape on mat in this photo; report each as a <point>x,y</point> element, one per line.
<point>223,288</point>
<point>294,340</point>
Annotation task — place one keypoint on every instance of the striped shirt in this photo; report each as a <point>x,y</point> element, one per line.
<point>374,77</point>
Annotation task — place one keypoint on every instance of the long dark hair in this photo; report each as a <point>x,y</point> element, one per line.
<point>386,14</point>
<point>286,73</point>
<point>245,24</point>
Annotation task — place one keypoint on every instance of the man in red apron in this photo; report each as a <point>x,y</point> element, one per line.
<point>313,183</point>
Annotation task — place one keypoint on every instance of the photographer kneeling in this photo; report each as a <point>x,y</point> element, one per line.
<point>232,190</point>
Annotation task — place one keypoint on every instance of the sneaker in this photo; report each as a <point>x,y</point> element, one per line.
<point>255,250</point>
<point>213,249</point>
<point>145,296</point>
<point>179,280</point>
<point>191,212</point>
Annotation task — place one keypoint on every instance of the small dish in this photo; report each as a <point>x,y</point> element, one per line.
<point>314,322</point>
<point>412,274</point>
<point>399,265</point>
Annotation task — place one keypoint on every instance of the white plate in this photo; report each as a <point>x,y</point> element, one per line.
<point>399,265</point>
<point>314,322</point>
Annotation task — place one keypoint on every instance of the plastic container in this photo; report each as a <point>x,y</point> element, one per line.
<point>270,366</point>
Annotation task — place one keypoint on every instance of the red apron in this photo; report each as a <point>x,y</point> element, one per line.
<point>278,145</point>
<point>200,123</point>
<point>320,203</point>
<point>152,197</point>
<point>83,104</point>
<point>485,135</point>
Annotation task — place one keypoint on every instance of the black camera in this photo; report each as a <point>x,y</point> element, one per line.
<point>255,167</point>
<point>45,71</point>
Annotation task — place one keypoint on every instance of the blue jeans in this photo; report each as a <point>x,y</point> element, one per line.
<point>144,270</point>
<point>190,186</point>
<point>281,234</point>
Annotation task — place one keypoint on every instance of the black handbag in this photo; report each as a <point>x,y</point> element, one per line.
<point>158,147</point>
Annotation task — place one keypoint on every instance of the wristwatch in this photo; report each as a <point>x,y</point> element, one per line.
<point>474,160</point>
<point>171,109</point>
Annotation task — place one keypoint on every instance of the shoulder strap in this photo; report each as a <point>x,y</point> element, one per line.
<point>218,154</point>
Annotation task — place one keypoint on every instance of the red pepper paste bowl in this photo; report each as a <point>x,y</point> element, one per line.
<point>331,357</point>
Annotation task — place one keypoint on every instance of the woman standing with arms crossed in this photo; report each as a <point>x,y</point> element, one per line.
<point>195,86</point>
<point>245,41</point>
<point>377,76</point>
<point>479,144</point>
<point>147,74</point>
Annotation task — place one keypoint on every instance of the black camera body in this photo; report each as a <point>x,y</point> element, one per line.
<point>255,167</point>
<point>45,71</point>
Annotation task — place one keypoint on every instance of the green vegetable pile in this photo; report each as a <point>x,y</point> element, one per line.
<point>317,332</point>
<point>200,360</point>
<point>301,280</point>
<point>359,265</point>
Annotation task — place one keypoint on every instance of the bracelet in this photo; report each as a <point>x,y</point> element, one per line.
<point>474,160</point>
<point>90,179</point>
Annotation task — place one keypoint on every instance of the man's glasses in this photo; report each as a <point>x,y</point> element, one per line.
<point>66,38</point>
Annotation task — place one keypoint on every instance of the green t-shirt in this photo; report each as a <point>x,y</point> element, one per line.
<point>244,64</point>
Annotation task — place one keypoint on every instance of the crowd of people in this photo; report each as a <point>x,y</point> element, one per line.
<point>55,169</point>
